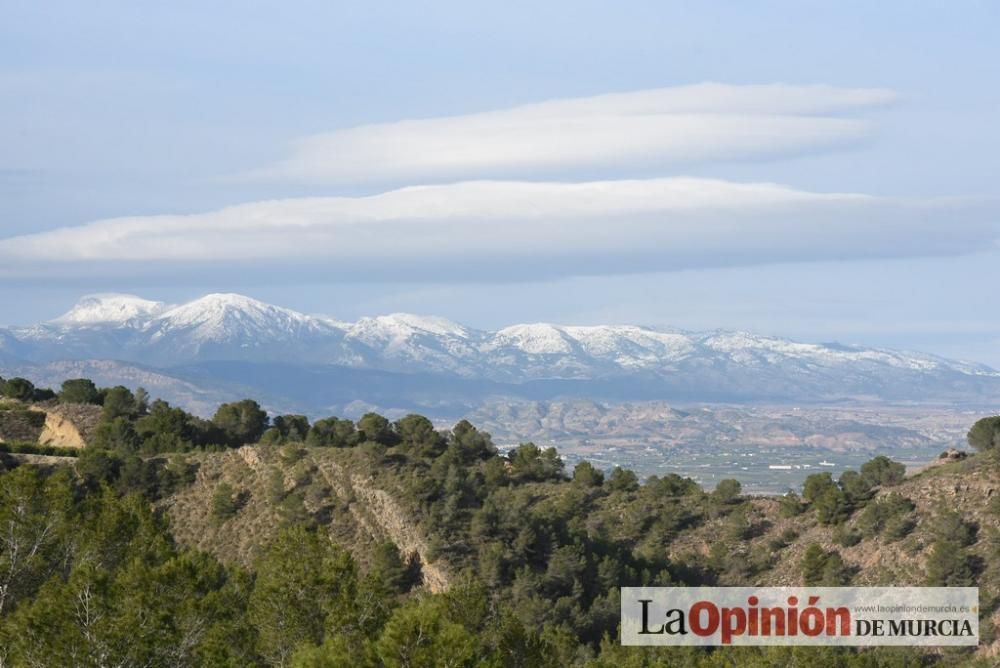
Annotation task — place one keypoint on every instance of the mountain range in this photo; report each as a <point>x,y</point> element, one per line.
<point>222,344</point>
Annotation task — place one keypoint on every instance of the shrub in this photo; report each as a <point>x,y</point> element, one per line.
<point>846,537</point>
<point>820,567</point>
<point>891,515</point>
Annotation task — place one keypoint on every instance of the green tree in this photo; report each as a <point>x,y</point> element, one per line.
<point>165,429</point>
<point>586,474</point>
<point>119,402</point>
<point>985,434</point>
<point>528,462</point>
<point>242,422</point>
<point>820,567</point>
<point>470,443</point>
<point>950,526</point>
<point>882,471</point>
<point>293,428</point>
<point>622,480</point>
<point>35,513</point>
<point>305,587</point>
<point>333,432</point>
<point>21,389</point>
<point>855,487</point>
<point>388,567</point>
<point>117,434</point>
<point>422,634</point>
<point>141,400</point>
<point>375,428</point>
<point>832,506</point>
<point>418,436</point>
<point>948,565</point>
<point>816,485</point>
<point>79,391</point>
<point>43,394</point>
<point>727,491</point>
<point>891,514</point>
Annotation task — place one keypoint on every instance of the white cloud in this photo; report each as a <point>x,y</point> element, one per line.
<point>642,130</point>
<point>502,230</point>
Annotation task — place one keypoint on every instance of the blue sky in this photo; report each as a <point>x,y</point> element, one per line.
<point>141,110</point>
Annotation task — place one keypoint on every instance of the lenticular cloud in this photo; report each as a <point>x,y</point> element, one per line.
<point>523,229</point>
<point>621,133</point>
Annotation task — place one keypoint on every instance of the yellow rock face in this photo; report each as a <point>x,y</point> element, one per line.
<point>60,431</point>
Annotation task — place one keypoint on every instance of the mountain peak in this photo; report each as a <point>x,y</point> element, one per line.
<point>230,316</point>
<point>110,308</point>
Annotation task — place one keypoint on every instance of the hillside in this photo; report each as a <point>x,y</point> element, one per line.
<point>363,500</point>
<point>342,543</point>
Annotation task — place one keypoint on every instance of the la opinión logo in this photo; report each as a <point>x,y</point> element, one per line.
<point>800,616</point>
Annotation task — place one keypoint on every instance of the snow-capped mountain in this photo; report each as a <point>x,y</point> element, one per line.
<point>111,309</point>
<point>625,360</point>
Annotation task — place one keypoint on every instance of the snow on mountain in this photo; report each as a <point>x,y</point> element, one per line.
<point>535,339</point>
<point>633,347</point>
<point>397,327</point>
<point>404,340</point>
<point>227,327</point>
<point>110,309</point>
<point>220,318</point>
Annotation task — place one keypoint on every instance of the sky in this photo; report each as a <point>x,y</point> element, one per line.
<point>823,171</point>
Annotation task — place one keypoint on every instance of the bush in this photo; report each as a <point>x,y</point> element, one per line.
<point>35,449</point>
<point>823,568</point>
<point>846,537</point>
<point>790,505</point>
<point>948,565</point>
<point>891,515</point>
<point>949,526</point>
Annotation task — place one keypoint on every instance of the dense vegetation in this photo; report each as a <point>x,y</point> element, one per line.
<point>91,575</point>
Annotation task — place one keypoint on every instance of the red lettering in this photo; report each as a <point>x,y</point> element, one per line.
<point>695,617</point>
<point>734,622</point>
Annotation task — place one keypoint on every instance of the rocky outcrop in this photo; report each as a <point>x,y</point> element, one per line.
<point>393,521</point>
<point>60,425</point>
<point>60,431</point>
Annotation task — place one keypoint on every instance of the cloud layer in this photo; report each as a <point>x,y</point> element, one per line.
<point>637,131</point>
<point>504,230</point>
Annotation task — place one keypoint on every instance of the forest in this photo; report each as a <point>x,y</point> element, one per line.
<point>92,572</point>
